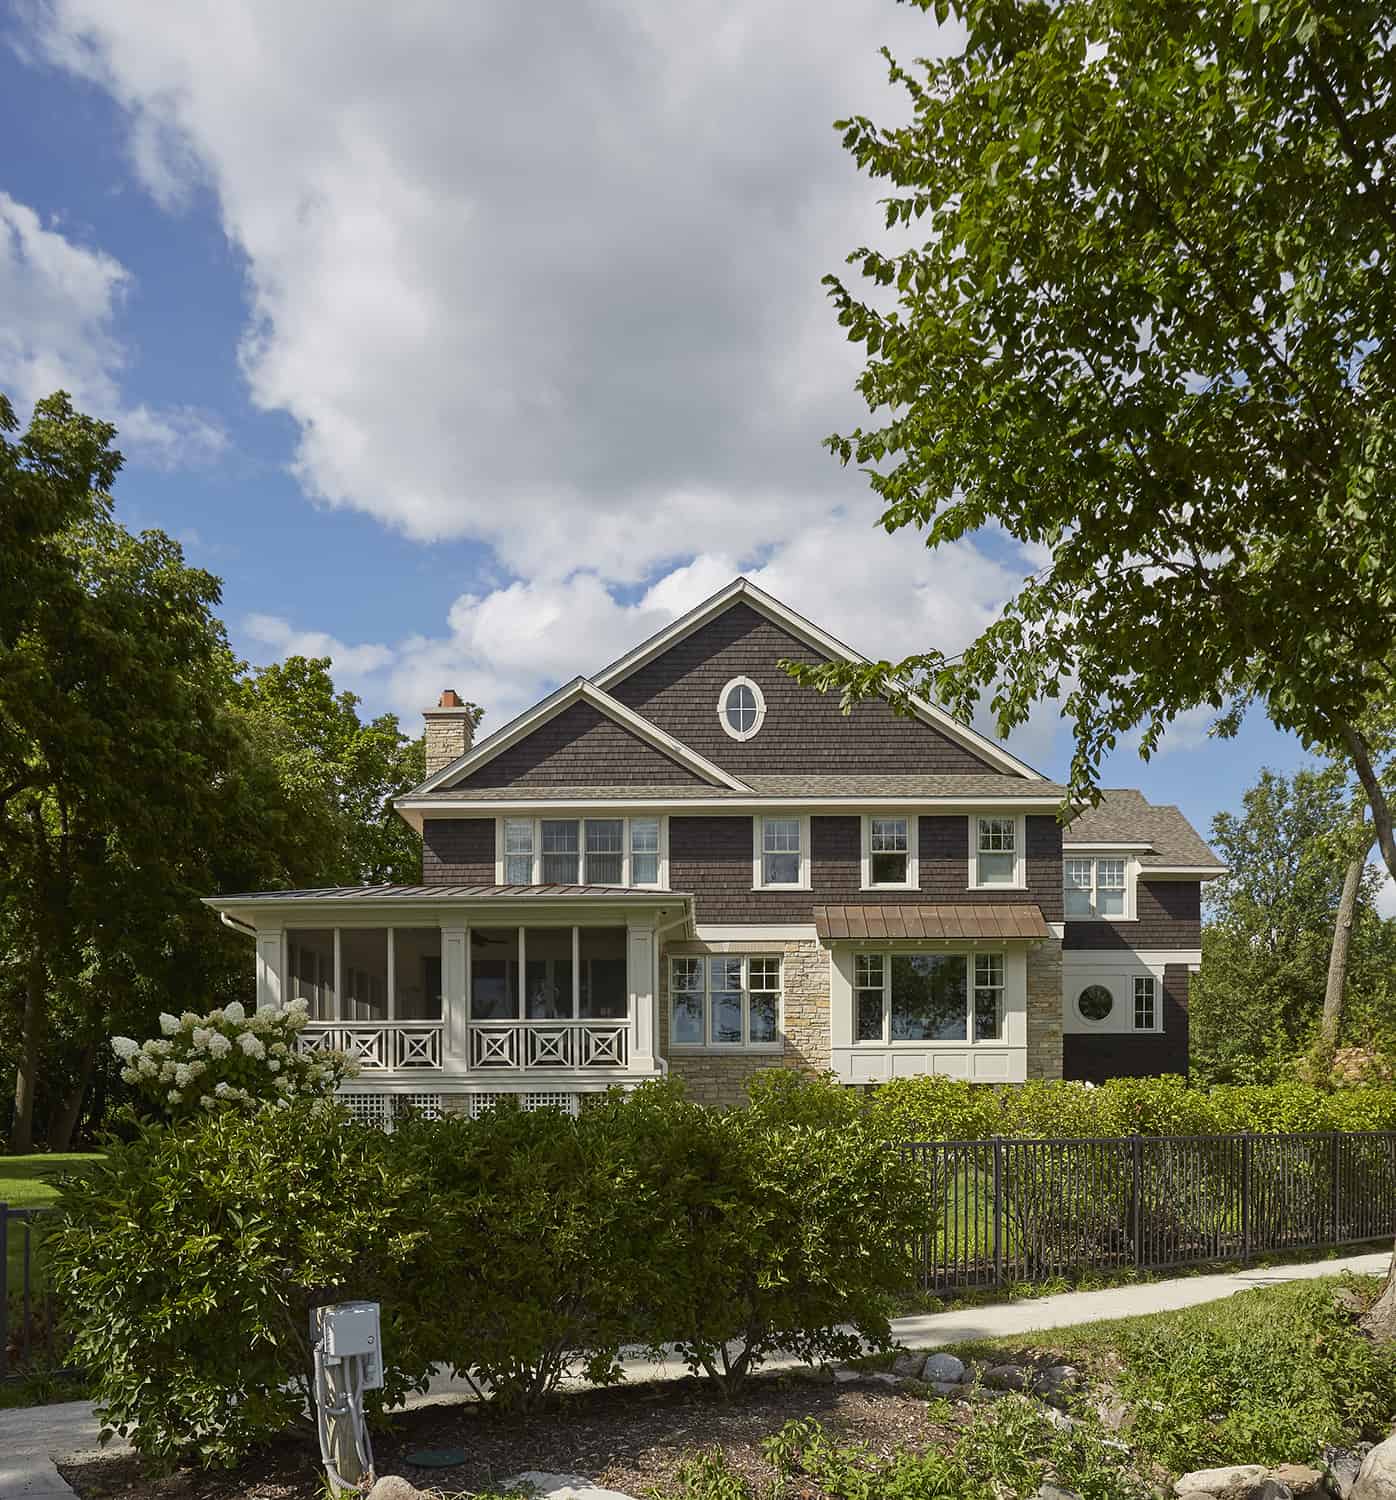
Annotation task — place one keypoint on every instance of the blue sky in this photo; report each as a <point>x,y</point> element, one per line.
<point>468,347</point>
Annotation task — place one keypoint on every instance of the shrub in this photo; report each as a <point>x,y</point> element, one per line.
<point>188,1261</point>
<point>228,1059</point>
<point>1268,1375</point>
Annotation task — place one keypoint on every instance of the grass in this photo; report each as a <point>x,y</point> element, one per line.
<point>23,1184</point>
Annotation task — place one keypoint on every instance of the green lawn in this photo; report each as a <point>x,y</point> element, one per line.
<point>23,1184</point>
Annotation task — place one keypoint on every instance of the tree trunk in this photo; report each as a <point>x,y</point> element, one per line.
<point>1338,961</point>
<point>69,1111</point>
<point>27,1071</point>
<point>1382,828</point>
<point>1380,1321</point>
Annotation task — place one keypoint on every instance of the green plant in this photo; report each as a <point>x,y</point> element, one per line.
<point>706,1475</point>
<point>228,1059</point>
<point>187,1262</point>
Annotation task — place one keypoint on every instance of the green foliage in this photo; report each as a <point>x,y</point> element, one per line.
<point>1005,1449</point>
<point>1258,1000</point>
<point>948,1109</point>
<point>228,1059</point>
<point>1136,312</point>
<point>1268,1375</point>
<point>186,1265</point>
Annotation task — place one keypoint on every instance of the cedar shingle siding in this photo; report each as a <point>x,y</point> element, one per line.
<point>712,858</point>
<point>1170,916</point>
<point>1099,1057</point>
<point>804,733</point>
<point>580,747</point>
<point>458,851</point>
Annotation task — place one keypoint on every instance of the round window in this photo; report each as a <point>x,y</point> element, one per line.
<point>741,708</point>
<point>1095,1002</point>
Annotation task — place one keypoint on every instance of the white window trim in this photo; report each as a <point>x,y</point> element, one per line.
<point>913,868</point>
<point>691,1049</point>
<point>580,819</point>
<point>741,734</point>
<point>1157,1028</point>
<point>758,824</point>
<point>1100,1023</point>
<point>1020,865</point>
<point>1131,864</point>
<point>969,955</point>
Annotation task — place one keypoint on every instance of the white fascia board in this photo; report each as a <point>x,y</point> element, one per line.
<point>1106,846</point>
<point>451,911</point>
<point>578,690</point>
<point>758,932</point>
<point>820,640</point>
<point>1182,872</point>
<point>1107,959</point>
<point>437,806</point>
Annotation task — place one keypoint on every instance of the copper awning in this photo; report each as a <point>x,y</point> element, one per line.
<point>929,922</point>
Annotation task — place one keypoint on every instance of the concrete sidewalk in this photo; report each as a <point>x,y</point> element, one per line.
<point>37,1434</point>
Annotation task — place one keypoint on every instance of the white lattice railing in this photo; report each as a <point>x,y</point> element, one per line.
<point>549,1044</point>
<point>378,1045</point>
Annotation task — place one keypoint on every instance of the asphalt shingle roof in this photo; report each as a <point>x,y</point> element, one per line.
<point>987,785</point>
<point>1125,816</point>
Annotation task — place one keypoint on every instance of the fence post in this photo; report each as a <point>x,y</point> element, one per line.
<point>998,1210</point>
<point>1246,1196</point>
<point>1334,1165</point>
<point>1136,1154</point>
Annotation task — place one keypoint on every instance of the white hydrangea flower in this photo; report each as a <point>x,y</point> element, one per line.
<point>273,1066</point>
<point>299,1006</point>
<point>206,1100</point>
<point>283,1085</point>
<point>195,1068</point>
<point>129,1075</point>
<point>188,1020</point>
<point>234,1012</point>
<point>125,1047</point>
<point>146,1065</point>
<point>222,1089</point>
<point>219,1045</point>
<point>200,1038</point>
<point>252,1045</point>
<point>174,1096</point>
<point>279,1049</point>
<point>216,1014</point>
<point>168,1024</point>
<point>168,1070</point>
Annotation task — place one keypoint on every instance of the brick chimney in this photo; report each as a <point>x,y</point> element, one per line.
<point>450,728</point>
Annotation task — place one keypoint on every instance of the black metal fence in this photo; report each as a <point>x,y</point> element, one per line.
<point>29,1338</point>
<point>1029,1210</point>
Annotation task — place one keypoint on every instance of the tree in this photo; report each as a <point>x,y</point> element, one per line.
<point>1145,329</point>
<point>1274,924</point>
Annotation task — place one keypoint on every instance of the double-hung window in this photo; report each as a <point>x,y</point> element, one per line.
<point>1145,1002</point>
<point>889,855</point>
<point>928,997</point>
<point>582,851</point>
<point>725,1001</point>
<point>1094,886</point>
<point>996,851</point>
<point>782,853</point>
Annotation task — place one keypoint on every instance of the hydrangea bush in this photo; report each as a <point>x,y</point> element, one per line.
<point>228,1058</point>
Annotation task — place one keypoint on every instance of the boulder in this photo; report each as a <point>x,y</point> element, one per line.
<point>1302,1482</point>
<point>1046,1491</point>
<point>1006,1377</point>
<point>944,1367</point>
<point>947,1387</point>
<point>1264,1488</point>
<point>908,1366</point>
<point>1214,1481</point>
<point>1113,1413</point>
<point>559,1486</point>
<point>1056,1380</point>
<point>1341,1466</point>
<point>1376,1479</point>
<point>395,1487</point>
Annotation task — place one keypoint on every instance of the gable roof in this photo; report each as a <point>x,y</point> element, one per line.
<point>742,590</point>
<point>1165,839</point>
<point>579,690</point>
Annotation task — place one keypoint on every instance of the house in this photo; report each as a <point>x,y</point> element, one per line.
<point>687,863</point>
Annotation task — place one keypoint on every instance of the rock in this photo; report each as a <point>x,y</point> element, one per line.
<point>1376,1479</point>
<point>395,1487</point>
<point>885,1377</point>
<point>908,1366</point>
<point>559,1486</point>
<point>1303,1482</point>
<point>1264,1488</point>
<point>943,1367</point>
<point>1113,1413</point>
<point>1056,1381</point>
<point>1341,1466</point>
<point>1047,1491</point>
<point>1214,1481</point>
<point>1198,1495</point>
<point>1006,1377</point>
<point>844,1376</point>
<point>946,1387</point>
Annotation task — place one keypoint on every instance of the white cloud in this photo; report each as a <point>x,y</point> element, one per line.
<point>61,300</point>
<point>1386,897</point>
<point>547,279</point>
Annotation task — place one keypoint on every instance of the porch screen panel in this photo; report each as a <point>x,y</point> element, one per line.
<point>548,973</point>
<point>310,970</point>
<point>417,973</point>
<point>363,973</point>
<point>494,973</point>
<point>605,984</point>
<point>930,997</point>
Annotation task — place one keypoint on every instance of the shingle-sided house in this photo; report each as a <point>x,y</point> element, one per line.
<point>689,864</point>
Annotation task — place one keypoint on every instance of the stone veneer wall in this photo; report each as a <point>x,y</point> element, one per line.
<point>1045,1009</point>
<point>721,1078</point>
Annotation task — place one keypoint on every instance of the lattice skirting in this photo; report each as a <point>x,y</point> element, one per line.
<point>476,1104</point>
<point>384,1110</point>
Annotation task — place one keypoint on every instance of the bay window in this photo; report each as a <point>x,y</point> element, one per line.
<point>728,1000</point>
<point>581,851</point>
<point>927,997</point>
<point>889,858</point>
<point>1094,886</point>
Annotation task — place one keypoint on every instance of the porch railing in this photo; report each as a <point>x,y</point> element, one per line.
<point>549,1044</point>
<point>378,1046</point>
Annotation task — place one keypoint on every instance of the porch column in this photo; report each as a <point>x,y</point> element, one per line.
<point>453,948</point>
<point>640,964</point>
<point>269,949</point>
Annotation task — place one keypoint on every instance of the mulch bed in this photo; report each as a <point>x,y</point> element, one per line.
<point>631,1439</point>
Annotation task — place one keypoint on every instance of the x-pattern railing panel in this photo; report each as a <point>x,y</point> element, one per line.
<point>378,1046</point>
<point>543,1045</point>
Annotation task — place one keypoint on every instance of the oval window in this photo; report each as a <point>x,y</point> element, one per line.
<point>741,708</point>
<point>1095,1002</point>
